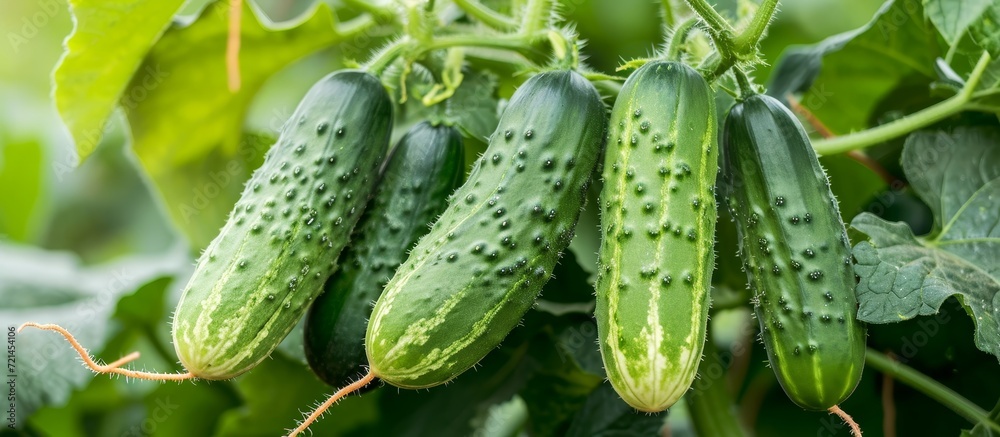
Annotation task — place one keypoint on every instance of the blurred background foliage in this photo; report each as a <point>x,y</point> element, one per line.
<point>105,234</point>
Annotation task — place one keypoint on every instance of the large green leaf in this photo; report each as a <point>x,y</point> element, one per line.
<point>107,45</point>
<point>844,77</point>
<point>953,17</point>
<point>604,414</point>
<point>187,126</point>
<point>560,384</point>
<point>985,31</point>
<point>51,287</point>
<point>902,276</point>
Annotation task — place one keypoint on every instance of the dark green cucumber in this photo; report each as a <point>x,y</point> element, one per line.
<point>425,167</point>
<point>470,280</point>
<point>658,233</point>
<point>255,280</point>
<point>795,252</point>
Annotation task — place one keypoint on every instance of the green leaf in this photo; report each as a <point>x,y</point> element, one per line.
<point>843,78</point>
<point>187,125</point>
<point>986,31</point>
<point>953,17</point>
<point>605,415</point>
<point>958,175</point>
<point>982,429</point>
<point>473,107</point>
<point>559,385</point>
<point>51,287</point>
<point>22,165</point>
<point>106,47</point>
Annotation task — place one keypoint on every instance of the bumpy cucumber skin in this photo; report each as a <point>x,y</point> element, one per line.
<point>256,279</point>
<point>425,167</point>
<point>658,227</point>
<point>795,252</point>
<point>471,279</point>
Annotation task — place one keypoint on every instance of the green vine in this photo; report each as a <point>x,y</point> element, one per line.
<point>964,100</point>
<point>730,46</point>
<point>486,15</point>
<point>933,389</point>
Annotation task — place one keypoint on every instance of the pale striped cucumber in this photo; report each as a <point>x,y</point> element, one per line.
<point>795,252</point>
<point>256,279</point>
<point>470,280</point>
<point>658,231</point>
<point>424,169</point>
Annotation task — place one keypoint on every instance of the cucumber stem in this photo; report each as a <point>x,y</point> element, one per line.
<point>414,49</point>
<point>535,17</point>
<point>746,42</point>
<point>855,429</point>
<point>353,387</point>
<point>715,20</point>
<point>115,366</point>
<point>933,389</point>
<point>679,37</point>
<point>746,88</point>
<point>668,13</point>
<point>920,119</point>
<point>730,46</point>
<point>486,15</point>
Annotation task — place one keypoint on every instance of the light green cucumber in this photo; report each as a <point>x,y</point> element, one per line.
<point>658,218</point>
<point>255,280</point>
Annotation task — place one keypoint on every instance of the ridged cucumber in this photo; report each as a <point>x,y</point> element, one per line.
<point>425,167</point>
<point>658,229</point>
<point>795,252</point>
<point>469,281</point>
<point>256,279</point>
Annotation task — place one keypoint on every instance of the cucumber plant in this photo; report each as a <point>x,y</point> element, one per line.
<point>657,233</point>
<point>447,303</point>
<point>423,169</point>
<point>795,252</point>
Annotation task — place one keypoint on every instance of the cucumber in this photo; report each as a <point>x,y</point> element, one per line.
<point>658,227</point>
<point>469,281</point>
<point>425,167</point>
<point>270,260</point>
<point>795,251</point>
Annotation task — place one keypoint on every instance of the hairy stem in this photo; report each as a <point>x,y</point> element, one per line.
<point>318,412</point>
<point>668,13</point>
<point>715,20</point>
<point>486,15</point>
<point>747,40</point>
<point>536,15</point>
<point>910,123</point>
<point>114,367</point>
<point>679,38</point>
